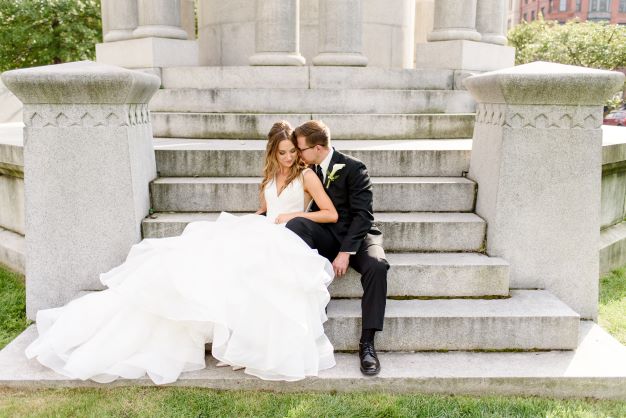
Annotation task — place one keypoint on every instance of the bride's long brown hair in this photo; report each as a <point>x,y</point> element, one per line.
<point>280,131</point>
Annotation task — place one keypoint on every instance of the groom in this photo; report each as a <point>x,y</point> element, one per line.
<point>353,240</point>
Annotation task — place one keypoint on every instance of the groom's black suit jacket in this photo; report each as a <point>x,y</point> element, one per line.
<point>351,193</point>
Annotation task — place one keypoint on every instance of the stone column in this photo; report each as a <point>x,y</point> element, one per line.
<point>121,18</point>
<point>454,42</point>
<point>491,21</point>
<point>537,159</point>
<point>159,19</point>
<point>277,33</point>
<point>340,33</point>
<point>454,20</point>
<point>88,161</point>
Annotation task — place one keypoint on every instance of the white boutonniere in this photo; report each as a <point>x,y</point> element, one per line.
<point>332,176</point>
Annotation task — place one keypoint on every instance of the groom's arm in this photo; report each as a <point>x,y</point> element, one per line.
<point>360,200</point>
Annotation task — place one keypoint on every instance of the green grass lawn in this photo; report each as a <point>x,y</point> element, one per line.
<point>196,402</point>
<point>12,306</point>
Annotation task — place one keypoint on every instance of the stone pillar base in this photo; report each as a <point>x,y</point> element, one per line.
<point>464,55</point>
<point>160,31</point>
<point>148,53</point>
<point>345,59</point>
<point>276,58</point>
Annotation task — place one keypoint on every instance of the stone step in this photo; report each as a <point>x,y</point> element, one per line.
<point>282,100</point>
<point>179,157</point>
<point>342,126</point>
<point>434,275</point>
<point>528,320</point>
<point>306,77</point>
<point>403,232</point>
<point>596,369</point>
<point>240,194</point>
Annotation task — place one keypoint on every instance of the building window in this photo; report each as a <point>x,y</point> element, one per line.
<point>599,5</point>
<point>532,15</point>
<point>525,17</point>
<point>622,6</point>
<point>578,6</point>
<point>543,12</point>
<point>549,6</point>
<point>562,5</point>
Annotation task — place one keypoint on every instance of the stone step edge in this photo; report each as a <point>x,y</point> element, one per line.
<point>596,369</point>
<point>347,145</point>
<point>403,180</point>
<point>379,216</point>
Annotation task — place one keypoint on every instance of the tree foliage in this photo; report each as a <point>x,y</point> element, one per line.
<point>42,32</point>
<point>586,44</point>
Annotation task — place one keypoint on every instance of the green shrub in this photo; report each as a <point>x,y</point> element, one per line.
<point>43,32</point>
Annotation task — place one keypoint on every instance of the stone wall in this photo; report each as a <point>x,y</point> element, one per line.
<point>613,227</point>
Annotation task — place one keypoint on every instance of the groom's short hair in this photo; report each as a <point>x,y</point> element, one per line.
<point>315,132</point>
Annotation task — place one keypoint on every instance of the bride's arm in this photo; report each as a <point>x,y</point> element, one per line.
<point>262,206</point>
<point>327,212</point>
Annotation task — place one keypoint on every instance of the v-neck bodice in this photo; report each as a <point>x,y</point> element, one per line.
<point>291,199</point>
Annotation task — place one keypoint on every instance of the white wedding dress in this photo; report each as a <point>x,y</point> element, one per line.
<point>251,287</point>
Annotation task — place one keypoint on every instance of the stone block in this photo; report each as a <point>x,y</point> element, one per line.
<point>536,156</point>
<point>464,55</point>
<point>613,195</point>
<point>12,203</point>
<point>235,77</point>
<point>148,52</point>
<point>612,248</point>
<point>529,320</point>
<point>380,78</point>
<point>403,232</point>
<point>219,126</point>
<point>12,251</point>
<point>596,369</point>
<point>282,100</point>
<point>414,126</point>
<point>82,216</point>
<point>228,158</point>
<point>434,275</point>
<point>240,194</point>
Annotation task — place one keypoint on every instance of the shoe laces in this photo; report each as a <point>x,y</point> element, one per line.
<point>368,349</point>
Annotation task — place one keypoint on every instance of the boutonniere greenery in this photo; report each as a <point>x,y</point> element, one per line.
<point>333,175</point>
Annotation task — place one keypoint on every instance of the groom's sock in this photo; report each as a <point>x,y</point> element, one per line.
<point>367,335</point>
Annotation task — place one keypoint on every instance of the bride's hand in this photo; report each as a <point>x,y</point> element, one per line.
<point>283,218</point>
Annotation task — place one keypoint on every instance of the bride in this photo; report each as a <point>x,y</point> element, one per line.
<point>251,287</point>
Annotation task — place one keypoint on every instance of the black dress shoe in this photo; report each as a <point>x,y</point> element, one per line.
<point>370,366</point>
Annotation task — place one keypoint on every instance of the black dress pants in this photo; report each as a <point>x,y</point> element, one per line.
<point>369,261</point>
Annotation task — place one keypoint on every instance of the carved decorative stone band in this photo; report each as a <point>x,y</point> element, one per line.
<point>537,116</point>
<point>537,159</point>
<point>88,162</point>
<point>86,116</point>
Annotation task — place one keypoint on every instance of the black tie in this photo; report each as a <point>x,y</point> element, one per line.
<point>318,171</point>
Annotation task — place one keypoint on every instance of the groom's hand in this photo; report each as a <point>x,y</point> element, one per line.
<point>340,265</point>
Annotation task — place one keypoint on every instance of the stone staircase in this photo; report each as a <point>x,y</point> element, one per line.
<point>412,129</point>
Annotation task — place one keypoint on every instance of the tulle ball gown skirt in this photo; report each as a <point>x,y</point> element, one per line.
<point>252,288</point>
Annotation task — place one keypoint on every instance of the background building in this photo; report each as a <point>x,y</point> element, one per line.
<point>613,11</point>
